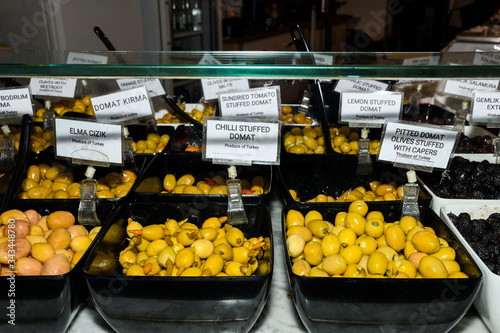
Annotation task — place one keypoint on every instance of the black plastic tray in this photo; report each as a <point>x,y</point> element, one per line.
<point>383,305</point>
<point>183,163</point>
<point>47,303</point>
<point>181,304</point>
<point>333,176</point>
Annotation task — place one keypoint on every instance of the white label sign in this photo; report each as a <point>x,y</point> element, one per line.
<point>212,87</point>
<point>467,87</point>
<point>258,102</point>
<point>123,105</point>
<point>233,140</point>
<point>86,58</point>
<point>209,59</point>
<point>14,102</point>
<point>370,108</point>
<point>89,141</point>
<point>417,145</point>
<point>486,58</point>
<point>360,85</point>
<point>153,86</point>
<point>323,59</point>
<point>62,87</point>
<point>422,61</point>
<point>486,107</point>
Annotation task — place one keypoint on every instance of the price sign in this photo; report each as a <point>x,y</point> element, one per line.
<point>153,86</point>
<point>123,106</point>
<point>86,58</point>
<point>258,102</point>
<point>425,146</point>
<point>62,87</point>
<point>360,85</point>
<point>467,87</point>
<point>422,61</point>
<point>486,58</point>
<point>212,87</point>
<point>370,108</point>
<point>15,102</point>
<point>96,143</point>
<point>486,107</point>
<point>241,142</point>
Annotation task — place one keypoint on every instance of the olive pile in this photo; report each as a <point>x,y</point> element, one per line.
<point>307,140</point>
<point>466,179</point>
<point>483,236</point>
<point>187,184</point>
<point>478,144</point>
<point>44,245</point>
<point>378,192</point>
<point>345,141</point>
<point>154,143</point>
<point>287,116</point>
<point>184,249</point>
<point>79,105</point>
<point>56,182</point>
<point>170,118</point>
<point>362,244</point>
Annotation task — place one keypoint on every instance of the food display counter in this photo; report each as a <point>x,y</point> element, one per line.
<point>283,150</point>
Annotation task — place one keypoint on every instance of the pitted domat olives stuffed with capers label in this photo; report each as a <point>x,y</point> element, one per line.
<point>184,249</point>
<point>57,182</point>
<point>187,184</point>
<point>345,141</point>
<point>32,244</point>
<point>360,243</point>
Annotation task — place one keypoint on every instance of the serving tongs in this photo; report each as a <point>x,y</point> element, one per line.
<point>301,46</point>
<point>183,115</point>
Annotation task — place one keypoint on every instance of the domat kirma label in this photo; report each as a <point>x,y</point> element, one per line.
<point>486,107</point>
<point>123,106</point>
<point>246,141</point>
<point>371,107</point>
<point>60,87</point>
<point>258,102</point>
<point>14,102</point>
<point>417,145</point>
<point>89,141</point>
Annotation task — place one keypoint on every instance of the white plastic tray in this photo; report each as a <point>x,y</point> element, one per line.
<point>487,301</point>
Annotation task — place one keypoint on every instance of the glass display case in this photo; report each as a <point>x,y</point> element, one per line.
<point>319,167</point>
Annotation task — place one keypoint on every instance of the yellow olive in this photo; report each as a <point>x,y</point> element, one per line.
<point>395,237</point>
<point>451,266</point>
<point>203,248</point>
<point>354,271</point>
<point>312,215</point>
<point>446,252</point>
<point>235,236</point>
<point>184,258</point>
<point>317,272</point>
<point>151,266</point>
<point>295,244</point>
<point>153,232</point>
<point>367,244</point>
<point>432,267</point>
<point>318,228</point>
<point>33,173</point>
<point>330,245</point>
<point>405,266</point>
<point>136,270</point>
<point>187,179</point>
<point>340,218</point>
<point>335,264</point>
<point>215,263</point>
<point>374,227</point>
<point>356,222</point>
<point>358,206</point>
<point>407,223</point>
<point>155,247</point>
<point>141,258</point>
<point>186,237</point>
<point>234,268</point>
<point>425,241</point>
<point>294,217</point>
<point>389,253</point>
<point>347,237</point>
<point>54,171</point>
<point>312,253</point>
<point>169,182</point>
<point>377,263</point>
<point>301,267</point>
<point>167,253</point>
<point>352,253</point>
<point>127,258</point>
